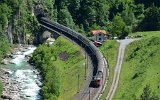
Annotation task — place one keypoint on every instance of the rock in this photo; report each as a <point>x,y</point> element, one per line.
<point>39,83</point>
<point>15,97</point>
<point>36,72</point>
<point>11,62</point>
<point>19,53</point>
<point>31,62</point>
<point>21,96</point>
<point>3,77</point>
<point>23,49</point>
<point>5,96</point>
<point>9,56</point>
<point>4,61</point>
<point>28,96</point>
<point>6,71</point>
<point>28,56</point>
<point>14,82</point>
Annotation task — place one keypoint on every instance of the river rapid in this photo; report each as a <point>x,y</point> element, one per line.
<point>27,78</point>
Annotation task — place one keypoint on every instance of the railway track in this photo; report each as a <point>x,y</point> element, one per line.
<point>90,93</point>
<point>97,60</point>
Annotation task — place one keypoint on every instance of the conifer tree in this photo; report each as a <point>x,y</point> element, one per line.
<point>65,18</point>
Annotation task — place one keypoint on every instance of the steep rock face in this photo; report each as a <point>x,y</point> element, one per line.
<point>10,35</point>
<point>17,21</point>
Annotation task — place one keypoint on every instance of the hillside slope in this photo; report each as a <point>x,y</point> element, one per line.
<point>140,68</point>
<point>61,65</point>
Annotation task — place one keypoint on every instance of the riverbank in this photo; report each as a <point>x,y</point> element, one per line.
<point>20,80</point>
<point>10,85</point>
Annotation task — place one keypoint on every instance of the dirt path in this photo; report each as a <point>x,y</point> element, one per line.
<point>123,44</point>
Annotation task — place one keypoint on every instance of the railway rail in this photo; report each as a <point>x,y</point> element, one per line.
<point>99,65</point>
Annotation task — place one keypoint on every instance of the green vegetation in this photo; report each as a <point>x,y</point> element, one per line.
<point>4,48</point>
<point>146,95</point>
<point>141,68</point>
<point>110,51</point>
<point>148,34</point>
<point>1,88</point>
<point>118,26</point>
<point>119,17</point>
<point>60,65</point>
<point>16,20</point>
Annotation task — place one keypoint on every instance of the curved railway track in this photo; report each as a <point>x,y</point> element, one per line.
<point>98,62</point>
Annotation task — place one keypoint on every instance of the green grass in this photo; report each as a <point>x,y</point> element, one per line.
<point>146,34</point>
<point>141,67</point>
<point>61,72</point>
<point>110,51</point>
<point>70,68</point>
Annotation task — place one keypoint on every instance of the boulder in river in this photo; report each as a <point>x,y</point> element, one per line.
<point>39,83</point>
<point>5,96</point>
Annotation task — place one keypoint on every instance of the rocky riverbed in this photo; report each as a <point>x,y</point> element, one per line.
<point>21,80</point>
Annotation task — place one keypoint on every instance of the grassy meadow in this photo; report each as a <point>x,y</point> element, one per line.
<point>141,67</point>
<point>70,68</point>
<point>110,51</point>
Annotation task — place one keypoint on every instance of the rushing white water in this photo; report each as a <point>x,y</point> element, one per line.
<point>24,74</point>
<point>28,83</point>
<point>21,55</point>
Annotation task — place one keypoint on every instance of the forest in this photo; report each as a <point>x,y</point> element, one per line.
<point>120,17</point>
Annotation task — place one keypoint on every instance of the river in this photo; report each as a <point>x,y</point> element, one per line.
<point>25,75</point>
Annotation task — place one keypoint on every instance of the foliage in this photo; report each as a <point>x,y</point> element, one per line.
<point>146,95</point>
<point>151,20</point>
<point>148,3</point>
<point>65,18</point>
<point>118,26</point>
<point>60,65</point>
<point>1,88</point>
<point>80,15</point>
<point>5,46</point>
